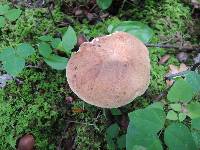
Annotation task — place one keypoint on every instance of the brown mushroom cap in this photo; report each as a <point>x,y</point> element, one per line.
<point>110,71</point>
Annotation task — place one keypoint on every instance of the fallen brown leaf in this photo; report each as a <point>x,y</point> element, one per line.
<point>164,59</point>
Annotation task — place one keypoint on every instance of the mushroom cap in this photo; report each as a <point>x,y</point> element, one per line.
<point>110,71</point>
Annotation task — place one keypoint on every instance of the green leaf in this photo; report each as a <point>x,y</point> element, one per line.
<point>24,50</point>
<point>45,49</point>
<point>149,120</point>
<point>56,62</point>
<point>110,142</point>
<point>14,65</point>
<point>3,9</point>
<point>104,4</point>
<point>13,14</point>
<point>195,124</point>
<point>113,130</point>
<point>158,105</point>
<point>193,78</point>
<point>121,141</point>
<point>136,28</point>
<point>115,111</point>
<point>175,107</point>
<point>7,53</point>
<point>181,91</point>
<point>55,42</point>
<point>178,137</point>
<point>171,115</point>
<point>181,116</point>
<point>137,139</point>
<point>46,38</point>
<point>2,21</point>
<point>196,137</point>
<point>69,39</point>
<point>193,110</point>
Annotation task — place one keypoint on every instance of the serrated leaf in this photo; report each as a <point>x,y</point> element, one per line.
<point>181,91</point>
<point>150,120</point>
<point>181,117</point>
<point>113,130</point>
<point>45,49</point>
<point>3,9</point>
<point>13,14</point>
<point>56,62</point>
<point>121,141</point>
<point>7,53</point>
<point>2,21</point>
<point>171,115</point>
<point>14,65</point>
<point>115,111</point>
<point>136,28</point>
<point>69,39</point>
<point>137,139</point>
<point>178,137</point>
<point>46,38</point>
<point>193,110</point>
<point>193,78</point>
<point>24,50</point>
<point>195,124</point>
<point>55,42</point>
<point>104,4</point>
<point>175,107</point>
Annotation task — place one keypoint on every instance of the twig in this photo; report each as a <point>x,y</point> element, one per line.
<point>183,49</point>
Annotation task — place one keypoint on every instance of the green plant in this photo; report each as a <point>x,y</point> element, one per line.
<point>48,43</point>
<point>136,28</point>
<point>146,123</point>
<point>6,13</point>
<point>104,4</point>
<point>14,59</point>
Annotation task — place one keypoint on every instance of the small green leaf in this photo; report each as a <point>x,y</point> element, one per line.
<point>24,50</point>
<point>56,62</point>
<point>121,141</point>
<point>193,110</point>
<point>13,14</point>
<point>113,130</point>
<point>2,21</point>
<point>178,137</point>
<point>175,107</point>
<point>138,139</point>
<point>150,120</point>
<point>136,28</point>
<point>3,9</point>
<point>55,42</point>
<point>193,78</point>
<point>171,115</point>
<point>104,4</point>
<point>14,65</point>
<point>158,105</point>
<point>44,49</point>
<point>69,39</point>
<point>115,112</point>
<point>46,38</point>
<point>7,53</point>
<point>181,91</point>
<point>181,116</point>
<point>195,123</point>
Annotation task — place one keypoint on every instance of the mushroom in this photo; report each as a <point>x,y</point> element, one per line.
<point>110,71</point>
<point>26,142</point>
